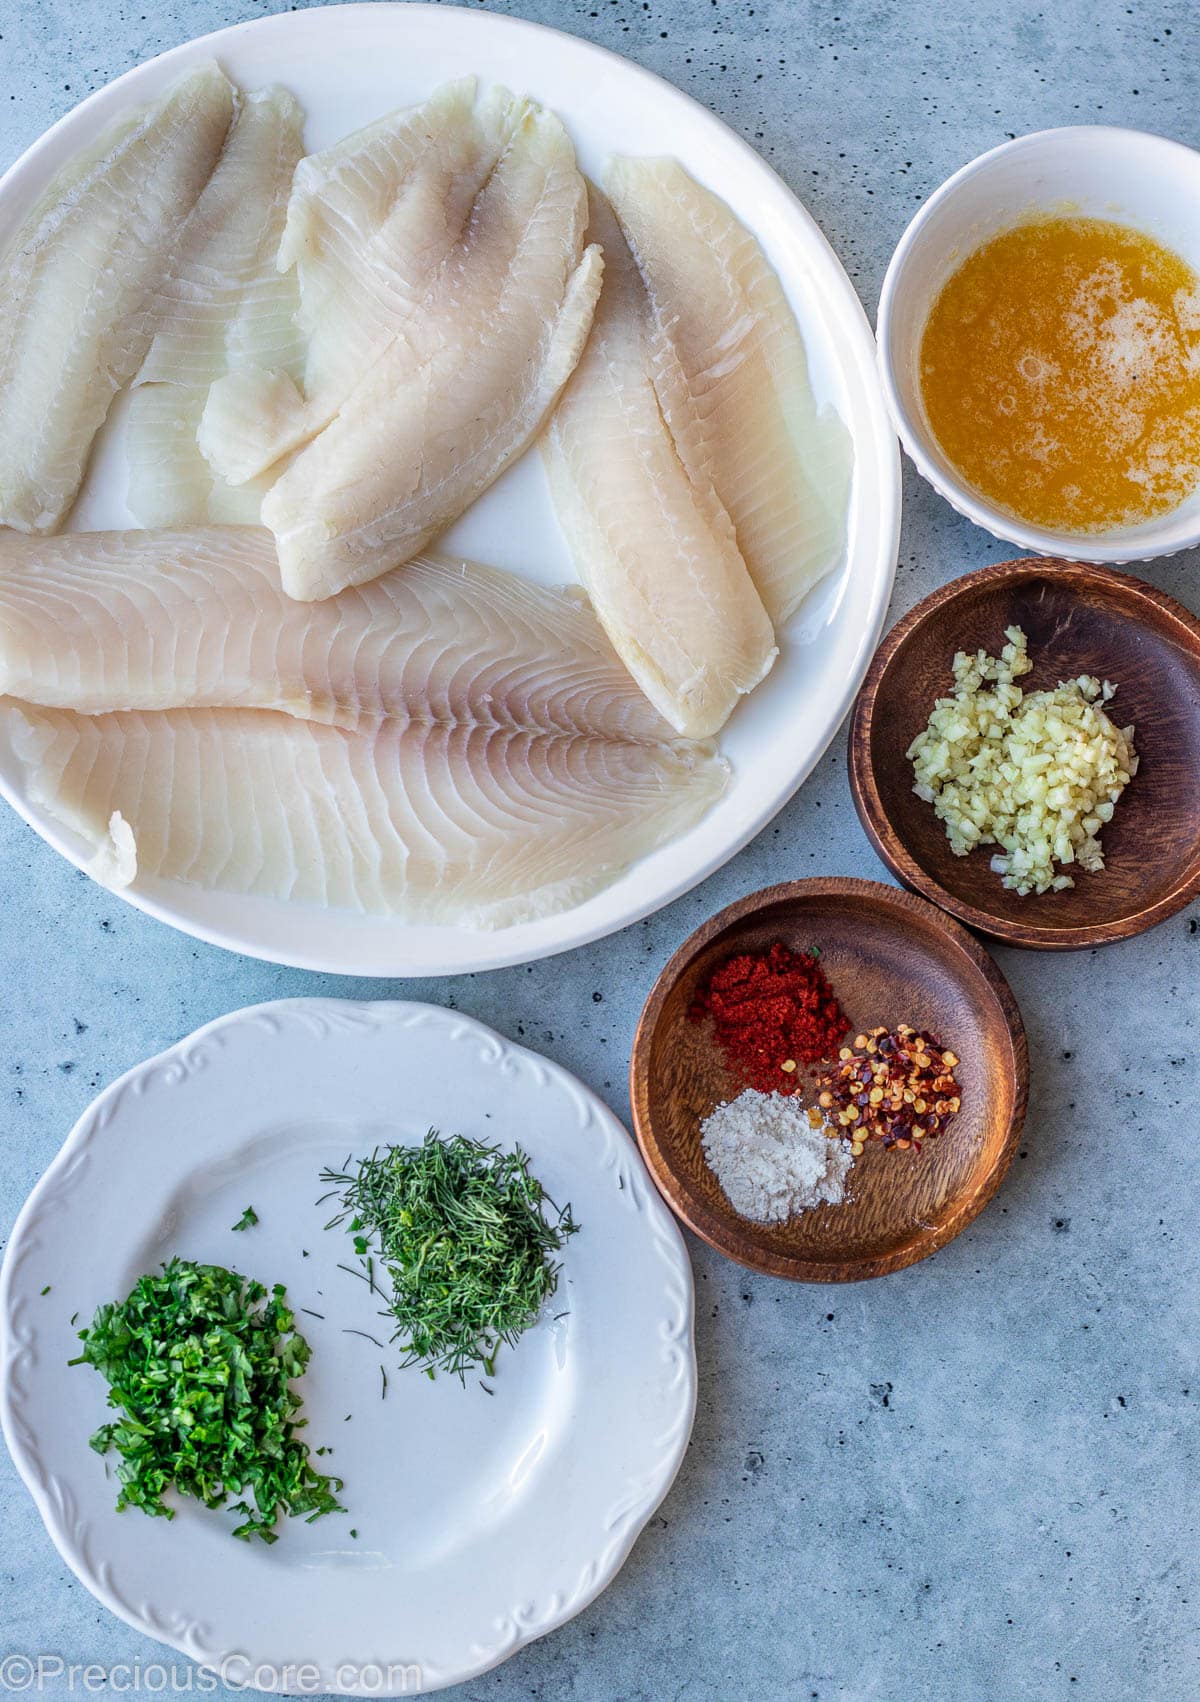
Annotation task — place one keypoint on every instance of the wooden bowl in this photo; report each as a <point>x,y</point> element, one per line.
<point>1078,619</point>
<point>890,958</point>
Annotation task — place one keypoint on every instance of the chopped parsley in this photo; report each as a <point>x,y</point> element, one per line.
<point>199,1362</point>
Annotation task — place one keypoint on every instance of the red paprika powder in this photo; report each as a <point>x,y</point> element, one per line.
<point>770,1009</point>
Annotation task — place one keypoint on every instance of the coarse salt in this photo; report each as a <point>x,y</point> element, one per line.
<point>770,1161</point>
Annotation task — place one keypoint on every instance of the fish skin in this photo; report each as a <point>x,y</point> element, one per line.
<point>731,374</point>
<point>86,264</point>
<point>224,307</point>
<point>451,825</point>
<point>107,621</point>
<point>651,541</point>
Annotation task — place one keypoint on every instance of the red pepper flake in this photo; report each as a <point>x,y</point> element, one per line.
<point>772,1011</point>
<point>898,1088</point>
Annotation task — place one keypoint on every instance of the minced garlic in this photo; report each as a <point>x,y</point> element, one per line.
<point>1037,775</point>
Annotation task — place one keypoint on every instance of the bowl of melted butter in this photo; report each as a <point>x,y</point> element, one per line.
<point>1039,341</point>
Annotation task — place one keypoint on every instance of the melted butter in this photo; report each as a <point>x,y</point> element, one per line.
<point>1060,372</point>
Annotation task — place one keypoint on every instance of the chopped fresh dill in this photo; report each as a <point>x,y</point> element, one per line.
<point>365,1334</point>
<point>463,1233</point>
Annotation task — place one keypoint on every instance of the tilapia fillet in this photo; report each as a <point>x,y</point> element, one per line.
<point>476,825</point>
<point>77,285</point>
<point>101,621</point>
<point>224,304</point>
<point>412,449</point>
<point>170,482</point>
<point>224,307</point>
<point>370,222</point>
<point>447,296</point>
<point>731,376</point>
<point>448,743</point>
<point>651,540</point>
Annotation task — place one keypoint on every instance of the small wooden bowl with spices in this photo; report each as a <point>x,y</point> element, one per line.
<point>920,1102</point>
<point>1078,619</point>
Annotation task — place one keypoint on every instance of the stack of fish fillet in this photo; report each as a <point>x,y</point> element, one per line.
<point>274,688</point>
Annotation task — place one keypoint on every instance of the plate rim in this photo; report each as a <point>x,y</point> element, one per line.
<point>486,950</point>
<point>95,1120</point>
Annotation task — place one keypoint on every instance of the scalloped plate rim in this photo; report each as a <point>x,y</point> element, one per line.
<point>75,1143</point>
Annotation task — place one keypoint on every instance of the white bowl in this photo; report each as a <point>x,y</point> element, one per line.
<point>1127,176</point>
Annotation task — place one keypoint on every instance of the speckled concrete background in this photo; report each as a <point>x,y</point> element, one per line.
<point>974,1480</point>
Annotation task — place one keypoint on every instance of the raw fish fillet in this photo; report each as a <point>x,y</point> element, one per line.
<point>225,304</point>
<point>732,379</point>
<point>413,448</point>
<point>77,285</point>
<point>651,540</point>
<point>170,482</point>
<point>447,298</point>
<point>435,824</point>
<point>224,307</point>
<point>99,621</point>
<point>370,223</point>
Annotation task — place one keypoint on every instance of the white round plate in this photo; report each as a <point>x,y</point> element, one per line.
<point>483,1520</point>
<point>351,64</point>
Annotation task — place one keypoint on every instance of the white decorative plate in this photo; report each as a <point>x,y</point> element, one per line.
<point>482,1520</point>
<point>348,65</point>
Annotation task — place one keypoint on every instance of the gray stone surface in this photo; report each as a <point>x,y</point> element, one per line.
<point>974,1480</point>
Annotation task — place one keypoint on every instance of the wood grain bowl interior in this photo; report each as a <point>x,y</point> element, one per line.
<point>891,958</point>
<point>1078,619</point>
